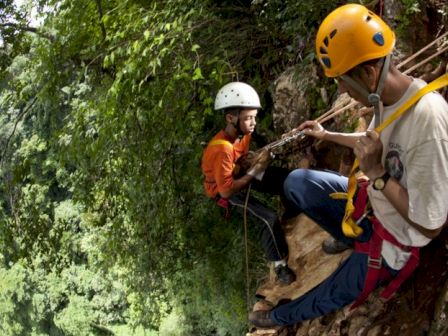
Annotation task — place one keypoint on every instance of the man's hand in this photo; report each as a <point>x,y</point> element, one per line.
<point>368,150</point>
<point>312,128</point>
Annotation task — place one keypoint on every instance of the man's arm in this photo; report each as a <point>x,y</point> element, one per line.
<point>399,198</point>
<point>315,129</point>
<point>368,150</point>
<point>344,139</point>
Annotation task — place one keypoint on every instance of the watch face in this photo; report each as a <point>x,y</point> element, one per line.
<point>379,184</point>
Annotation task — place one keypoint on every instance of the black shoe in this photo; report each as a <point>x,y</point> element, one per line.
<point>261,319</point>
<point>333,246</point>
<point>284,274</point>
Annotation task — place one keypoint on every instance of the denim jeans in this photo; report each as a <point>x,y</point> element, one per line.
<point>307,191</point>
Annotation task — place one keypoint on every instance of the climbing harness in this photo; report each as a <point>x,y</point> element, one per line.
<point>376,271</point>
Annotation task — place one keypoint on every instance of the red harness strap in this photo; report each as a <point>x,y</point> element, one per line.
<point>376,272</point>
<point>223,203</point>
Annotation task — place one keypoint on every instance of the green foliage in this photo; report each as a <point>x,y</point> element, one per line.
<point>13,40</point>
<point>103,110</point>
<point>291,26</point>
<point>411,8</point>
<point>73,302</point>
<point>76,318</point>
<point>14,299</point>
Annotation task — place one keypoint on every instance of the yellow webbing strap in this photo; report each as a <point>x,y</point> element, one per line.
<point>220,142</point>
<point>349,227</point>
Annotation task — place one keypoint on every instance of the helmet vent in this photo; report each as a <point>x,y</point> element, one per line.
<point>368,18</point>
<point>326,41</point>
<point>333,33</point>
<point>378,39</point>
<point>323,50</point>
<point>326,61</point>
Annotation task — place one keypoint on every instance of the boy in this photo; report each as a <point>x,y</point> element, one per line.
<point>239,103</point>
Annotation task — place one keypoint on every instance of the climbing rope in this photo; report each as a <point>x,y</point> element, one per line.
<point>246,202</point>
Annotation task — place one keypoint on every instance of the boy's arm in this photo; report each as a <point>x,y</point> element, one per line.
<point>237,185</point>
<point>260,164</point>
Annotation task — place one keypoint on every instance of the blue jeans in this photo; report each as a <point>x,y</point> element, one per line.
<point>307,191</point>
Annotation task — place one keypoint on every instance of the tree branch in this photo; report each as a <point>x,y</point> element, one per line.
<point>19,117</point>
<point>26,28</point>
<point>100,13</point>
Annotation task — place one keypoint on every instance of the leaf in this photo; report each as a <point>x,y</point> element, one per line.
<point>66,90</point>
<point>197,74</point>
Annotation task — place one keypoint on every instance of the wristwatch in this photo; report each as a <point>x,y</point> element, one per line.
<point>380,182</point>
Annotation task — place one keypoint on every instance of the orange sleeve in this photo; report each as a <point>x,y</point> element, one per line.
<point>223,170</point>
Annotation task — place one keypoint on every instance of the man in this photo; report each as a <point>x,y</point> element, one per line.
<point>239,103</point>
<point>406,164</point>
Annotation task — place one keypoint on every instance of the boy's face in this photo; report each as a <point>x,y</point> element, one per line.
<point>247,120</point>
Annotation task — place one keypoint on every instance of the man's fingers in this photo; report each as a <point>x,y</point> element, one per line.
<point>369,137</point>
<point>373,135</point>
<point>309,124</point>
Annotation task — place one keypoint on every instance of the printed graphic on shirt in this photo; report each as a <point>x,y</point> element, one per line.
<point>394,165</point>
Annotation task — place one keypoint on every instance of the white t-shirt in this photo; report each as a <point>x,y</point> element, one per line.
<point>415,153</point>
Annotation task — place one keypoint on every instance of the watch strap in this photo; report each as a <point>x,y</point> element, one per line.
<point>384,178</point>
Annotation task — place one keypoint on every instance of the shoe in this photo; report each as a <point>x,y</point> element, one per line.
<point>333,246</point>
<point>284,274</point>
<point>261,319</point>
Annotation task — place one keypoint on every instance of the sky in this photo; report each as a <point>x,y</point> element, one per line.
<point>34,21</point>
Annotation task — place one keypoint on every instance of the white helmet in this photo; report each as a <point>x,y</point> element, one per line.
<point>237,94</point>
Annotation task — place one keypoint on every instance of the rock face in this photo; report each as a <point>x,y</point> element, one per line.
<point>440,324</point>
<point>304,239</point>
<point>291,105</point>
<point>420,307</point>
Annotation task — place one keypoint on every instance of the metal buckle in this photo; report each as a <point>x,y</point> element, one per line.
<point>364,215</point>
<point>374,262</point>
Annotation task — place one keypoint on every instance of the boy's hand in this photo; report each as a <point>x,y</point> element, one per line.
<point>260,163</point>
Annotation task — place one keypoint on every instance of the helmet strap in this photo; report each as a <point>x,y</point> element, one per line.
<point>237,125</point>
<point>374,97</point>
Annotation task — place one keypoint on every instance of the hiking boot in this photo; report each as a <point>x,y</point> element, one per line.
<point>261,319</point>
<point>333,246</point>
<point>284,274</point>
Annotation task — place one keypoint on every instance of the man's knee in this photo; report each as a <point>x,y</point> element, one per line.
<point>293,180</point>
<point>294,186</point>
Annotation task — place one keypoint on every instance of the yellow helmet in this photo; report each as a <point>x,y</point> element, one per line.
<point>349,36</point>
